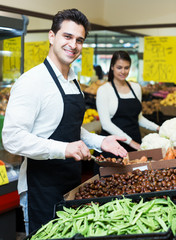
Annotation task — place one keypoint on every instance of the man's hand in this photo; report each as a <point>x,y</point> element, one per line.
<point>111,145</point>
<point>77,150</point>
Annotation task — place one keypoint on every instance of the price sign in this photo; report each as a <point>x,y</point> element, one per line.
<point>87,62</point>
<point>160,59</point>
<point>3,174</point>
<point>35,53</point>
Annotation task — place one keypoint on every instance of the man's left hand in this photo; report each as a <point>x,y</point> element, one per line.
<point>111,145</point>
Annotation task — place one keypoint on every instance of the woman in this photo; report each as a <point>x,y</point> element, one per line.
<point>119,104</point>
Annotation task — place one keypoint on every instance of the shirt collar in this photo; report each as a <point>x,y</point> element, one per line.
<point>71,74</point>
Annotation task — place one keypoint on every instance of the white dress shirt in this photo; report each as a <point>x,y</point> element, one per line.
<point>34,111</point>
<point>107,105</point>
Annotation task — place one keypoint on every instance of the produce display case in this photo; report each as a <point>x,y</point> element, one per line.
<point>4,97</point>
<point>158,102</point>
<point>169,111</point>
<point>136,197</point>
<point>9,201</point>
<point>78,203</point>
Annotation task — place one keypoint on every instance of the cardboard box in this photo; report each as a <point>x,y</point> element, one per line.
<point>152,155</point>
<point>155,157</point>
<point>71,195</point>
<point>156,154</point>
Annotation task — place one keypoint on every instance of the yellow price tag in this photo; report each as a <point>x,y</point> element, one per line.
<point>159,59</point>
<point>3,175</point>
<point>87,62</point>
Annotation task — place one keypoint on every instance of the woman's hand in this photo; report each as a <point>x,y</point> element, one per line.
<point>111,145</point>
<point>135,145</point>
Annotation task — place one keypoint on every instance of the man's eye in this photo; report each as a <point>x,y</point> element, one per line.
<point>68,37</point>
<point>80,41</point>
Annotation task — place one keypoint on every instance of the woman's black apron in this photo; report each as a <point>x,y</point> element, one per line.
<point>49,180</point>
<point>126,118</point>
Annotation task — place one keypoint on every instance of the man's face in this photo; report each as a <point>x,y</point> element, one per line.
<point>67,43</point>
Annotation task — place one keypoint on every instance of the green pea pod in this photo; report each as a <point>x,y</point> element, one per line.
<point>149,223</point>
<point>42,231</point>
<point>173,226</point>
<point>96,210</point>
<point>63,215</point>
<point>84,229</point>
<point>142,227</point>
<point>134,209</point>
<point>67,228</point>
<point>162,223</point>
<point>77,224</point>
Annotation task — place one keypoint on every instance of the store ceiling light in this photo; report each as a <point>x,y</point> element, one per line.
<point>93,45</point>
<point>85,45</point>
<point>109,45</point>
<point>5,53</point>
<point>127,45</point>
<point>10,30</point>
<point>6,29</point>
<point>102,45</point>
<point>121,41</point>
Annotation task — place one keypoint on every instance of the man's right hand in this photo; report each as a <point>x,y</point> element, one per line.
<point>77,150</point>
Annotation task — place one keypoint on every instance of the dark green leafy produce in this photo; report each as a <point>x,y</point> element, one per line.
<point>112,218</point>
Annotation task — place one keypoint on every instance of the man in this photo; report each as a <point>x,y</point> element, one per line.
<point>43,123</point>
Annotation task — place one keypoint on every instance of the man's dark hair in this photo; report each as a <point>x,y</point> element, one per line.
<point>73,15</point>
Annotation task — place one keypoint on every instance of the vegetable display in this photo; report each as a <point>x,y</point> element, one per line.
<point>170,154</point>
<point>168,130</point>
<point>117,217</point>
<point>136,181</point>
<point>154,140</point>
<point>165,139</point>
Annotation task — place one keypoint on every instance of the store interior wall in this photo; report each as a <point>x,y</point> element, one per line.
<point>122,13</point>
<point>117,14</point>
<point>139,12</point>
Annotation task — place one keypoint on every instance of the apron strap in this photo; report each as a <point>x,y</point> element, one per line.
<point>131,89</point>
<point>113,85</point>
<point>52,73</point>
<point>112,82</point>
<point>76,83</point>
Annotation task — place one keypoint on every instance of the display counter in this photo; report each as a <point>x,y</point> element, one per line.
<point>9,201</point>
<point>9,198</point>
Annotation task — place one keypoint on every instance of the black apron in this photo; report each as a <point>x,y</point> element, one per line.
<point>126,118</point>
<point>49,180</point>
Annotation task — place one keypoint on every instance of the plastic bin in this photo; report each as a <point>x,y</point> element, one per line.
<point>136,198</point>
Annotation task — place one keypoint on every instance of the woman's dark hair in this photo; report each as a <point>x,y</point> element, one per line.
<point>72,15</point>
<point>116,56</point>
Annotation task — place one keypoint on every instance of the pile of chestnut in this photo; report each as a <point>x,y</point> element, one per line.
<point>101,158</point>
<point>136,181</point>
